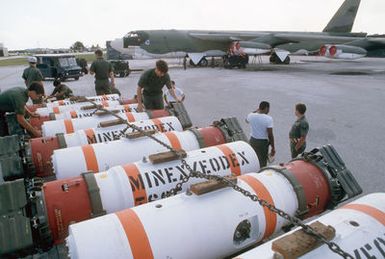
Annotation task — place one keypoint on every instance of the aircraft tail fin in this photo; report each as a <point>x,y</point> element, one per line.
<point>343,19</point>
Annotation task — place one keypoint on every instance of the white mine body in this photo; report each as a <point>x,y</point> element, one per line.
<point>90,113</point>
<point>99,98</point>
<point>360,231</point>
<point>186,226</point>
<point>81,137</point>
<point>45,111</point>
<point>101,156</point>
<point>51,128</point>
<point>124,187</point>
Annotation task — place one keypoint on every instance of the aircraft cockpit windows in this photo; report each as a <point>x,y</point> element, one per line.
<point>134,39</point>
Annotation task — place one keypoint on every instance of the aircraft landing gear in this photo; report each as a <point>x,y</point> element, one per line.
<point>202,63</point>
<point>274,59</point>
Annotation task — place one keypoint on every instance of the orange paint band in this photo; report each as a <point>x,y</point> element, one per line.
<point>127,108</point>
<point>73,114</point>
<point>368,210</point>
<point>140,195</point>
<point>136,234</point>
<point>158,124</point>
<point>130,117</point>
<point>235,170</point>
<point>56,110</point>
<point>90,136</point>
<point>264,194</point>
<point>90,157</point>
<point>69,126</point>
<point>173,139</point>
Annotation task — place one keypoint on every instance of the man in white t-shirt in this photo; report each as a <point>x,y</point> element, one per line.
<point>261,126</point>
<point>168,98</point>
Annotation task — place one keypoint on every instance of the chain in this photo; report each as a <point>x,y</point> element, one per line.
<point>130,125</point>
<point>293,220</point>
<point>178,187</point>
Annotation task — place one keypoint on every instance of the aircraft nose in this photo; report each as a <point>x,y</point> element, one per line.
<point>117,44</point>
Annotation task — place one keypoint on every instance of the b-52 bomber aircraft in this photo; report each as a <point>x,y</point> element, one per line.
<point>335,41</point>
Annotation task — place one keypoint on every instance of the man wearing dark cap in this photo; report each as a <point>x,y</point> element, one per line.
<point>150,87</point>
<point>14,100</point>
<point>103,71</point>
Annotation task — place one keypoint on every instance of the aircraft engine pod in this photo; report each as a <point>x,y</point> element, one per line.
<point>359,227</point>
<point>42,148</point>
<point>126,186</point>
<point>51,128</point>
<point>46,111</point>
<point>101,156</point>
<point>89,113</point>
<point>213,225</point>
<point>342,52</point>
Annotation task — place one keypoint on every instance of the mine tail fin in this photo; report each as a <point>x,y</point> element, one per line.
<point>343,19</point>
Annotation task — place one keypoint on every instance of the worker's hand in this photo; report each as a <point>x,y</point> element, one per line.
<point>272,152</point>
<point>35,115</point>
<point>37,134</point>
<point>140,107</point>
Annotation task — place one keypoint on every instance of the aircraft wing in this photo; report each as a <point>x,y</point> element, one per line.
<point>323,37</point>
<point>379,41</point>
<point>227,37</point>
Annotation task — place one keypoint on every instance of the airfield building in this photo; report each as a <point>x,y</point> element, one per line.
<point>3,50</point>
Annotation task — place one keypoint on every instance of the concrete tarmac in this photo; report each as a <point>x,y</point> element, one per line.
<point>345,102</point>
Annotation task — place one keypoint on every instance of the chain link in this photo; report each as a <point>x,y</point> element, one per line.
<point>196,174</point>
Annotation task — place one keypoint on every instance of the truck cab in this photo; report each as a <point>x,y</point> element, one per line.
<point>62,66</point>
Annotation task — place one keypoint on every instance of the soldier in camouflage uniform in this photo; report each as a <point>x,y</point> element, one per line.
<point>298,132</point>
<point>14,100</point>
<point>32,74</point>
<point>61,91</point>
<point>102,70</point>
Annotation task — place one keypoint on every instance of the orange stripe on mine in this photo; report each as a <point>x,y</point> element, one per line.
<point>174,141</point>
<point>69,126</point>
<point>232,159</point>
<point>130,117</point>
<point>137,185</point>
<point>158,124</point>
<point>89,155</point>
<point>73,114</point>
<point>369,210</point>
<point>90,136</point>
<point>56,110</point>
<point>127,108</point>
<point>263,193</point>
<point>136,234</point>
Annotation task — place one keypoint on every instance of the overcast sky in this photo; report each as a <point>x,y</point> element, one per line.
<point>59,23</point>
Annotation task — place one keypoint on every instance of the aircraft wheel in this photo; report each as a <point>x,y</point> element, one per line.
<point>203,62</point>
<point>287,60</point>
<point>273,58</point>
<point>192,63</point>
